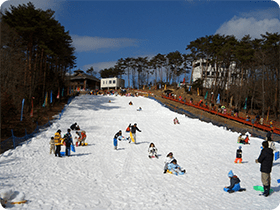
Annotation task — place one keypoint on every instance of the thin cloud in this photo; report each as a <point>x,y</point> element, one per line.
<point>251,24</point>
<point>39,4</point>
<point>87,43</point>
<point>98,66</point>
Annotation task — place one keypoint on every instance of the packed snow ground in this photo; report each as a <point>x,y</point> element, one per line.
<point>98,177</point>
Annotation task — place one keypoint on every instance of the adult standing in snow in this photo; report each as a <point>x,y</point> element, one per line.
<point>133,131</point>
<point>268,136</point>
<point>58,142</point>
<point>266,160</point>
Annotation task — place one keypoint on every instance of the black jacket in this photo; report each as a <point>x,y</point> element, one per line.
<point>133,129</point>
<point>117,135</point>
<point>239,153</point>
<point>266,160</point>
<point>233,181</point>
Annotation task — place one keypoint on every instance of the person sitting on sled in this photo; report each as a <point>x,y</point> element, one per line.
<point>238,155</point>
<point>242,140</point>
<point>152,151</point>
<point>246,140</point>
<point>167,160</point>
<point>234,183</point>
<point>139,109</point>
<point>176,121</point>
<point>130,103</point>
<point>174,168</point>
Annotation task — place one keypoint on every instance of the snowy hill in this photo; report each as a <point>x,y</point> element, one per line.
<point>98,177</point>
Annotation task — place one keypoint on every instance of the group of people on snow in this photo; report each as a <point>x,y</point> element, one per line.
<point>119,137</point>
<point>265,159</point>
<point>57,141</point>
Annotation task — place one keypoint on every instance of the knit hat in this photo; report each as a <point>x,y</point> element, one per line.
<point>240,147</point>
<point>230,174</point>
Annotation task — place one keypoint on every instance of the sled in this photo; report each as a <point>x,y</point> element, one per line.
<point>153,156</point>
<point>260,188</point>
<point>276,155</point>
<point>18,202</point>
<point>179,173</point>
<point>73,148</point>
<point>131,137</point>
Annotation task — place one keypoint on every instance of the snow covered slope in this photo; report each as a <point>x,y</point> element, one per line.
<point>98,177</point>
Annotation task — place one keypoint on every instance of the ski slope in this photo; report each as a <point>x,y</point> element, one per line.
<point>98,177</point>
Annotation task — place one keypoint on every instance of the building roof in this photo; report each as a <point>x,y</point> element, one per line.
<point>78,75</point>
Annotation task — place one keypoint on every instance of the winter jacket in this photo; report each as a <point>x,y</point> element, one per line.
<point>117,135</point>
<point>57,139</point>
<point>266,160</point>
<point>152,150</point>
<point>52,142</point>
<point>239,153</point>
<point>234,183</point>
<point>168,160</point>
<point>74,126</point>
<point>68,139</point>
<point>83,135</point>
<point>134,128</point>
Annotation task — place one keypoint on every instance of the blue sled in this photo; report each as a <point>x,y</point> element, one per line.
<point>73,148</point>
<point>276,155</point>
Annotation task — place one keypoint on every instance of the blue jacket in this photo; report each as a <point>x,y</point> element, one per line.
<point>234,183</point>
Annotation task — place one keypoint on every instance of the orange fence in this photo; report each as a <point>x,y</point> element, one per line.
<point>205,108</point>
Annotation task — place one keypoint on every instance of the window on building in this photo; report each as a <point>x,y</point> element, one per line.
<point>110,81</point>
<point>114,81</point>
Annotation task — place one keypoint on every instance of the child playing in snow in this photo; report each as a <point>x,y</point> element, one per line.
<point>118,136</point>
<point>174,168</point>
<point>176,121</point>
<point>167,160</point>
<point>152,151</point>
<point>52,145</point>
<point>238,155</point>
<point>234,183</point>
<point>81,138</point>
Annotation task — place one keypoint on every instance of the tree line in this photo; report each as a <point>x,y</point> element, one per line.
<point>253,82</point>
<point>36,54</point>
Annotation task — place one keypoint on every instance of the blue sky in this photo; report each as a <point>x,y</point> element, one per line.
<point>105,31</point>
